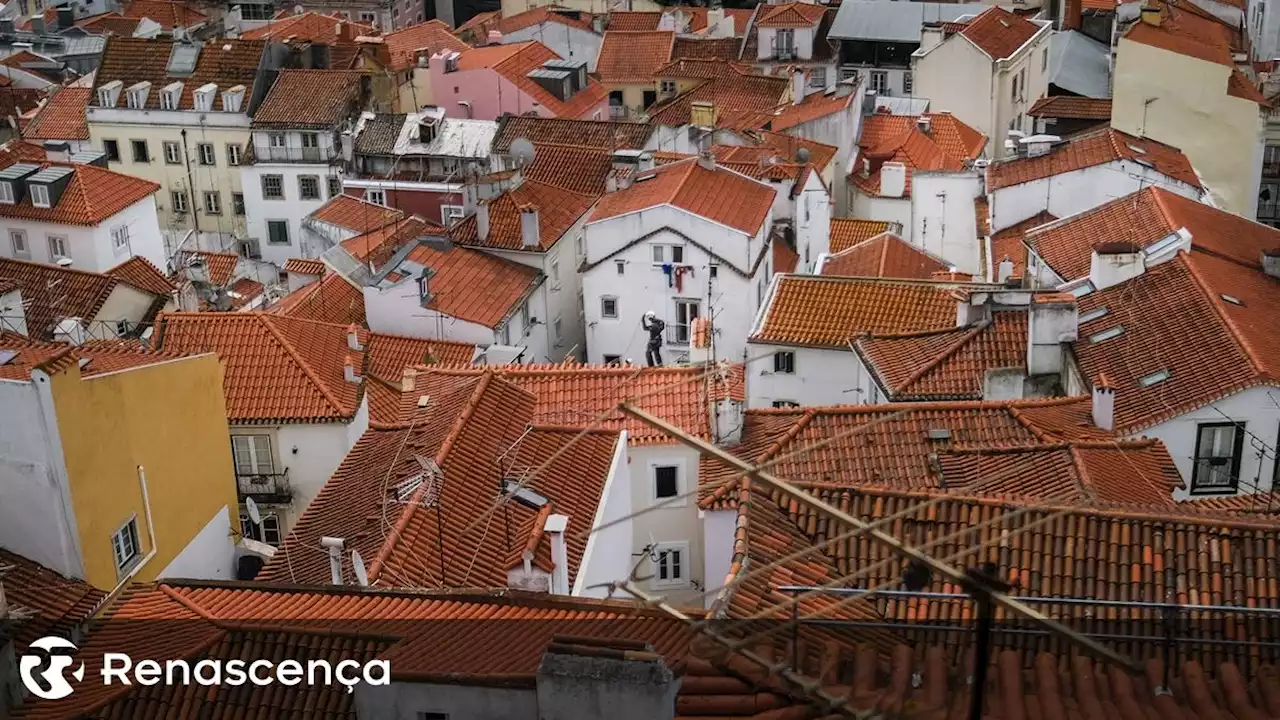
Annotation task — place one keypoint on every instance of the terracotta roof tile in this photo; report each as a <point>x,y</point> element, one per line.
<point>309,98</point>
<point>309,26</point>
<point>1009,242</point>
<point>740,99</point>
<point>332,299</point>
<point>1089,150</point>
<point>140,273</point>
<point>51,293</point>
<point>886,256</point>
<point>999,33</point>
<point>1186,33</point>
<point>304,267</point>
<point>580,170</point>
<point>480,22</point>
<point>92,196</point>
<point>597,134</point>
<point>634,21</point>
<point>429,38</point>
<point>244,291</point>
<point>355,215</point>
<point>821,311</point>
<point>633,57</point>
<point>220,266</point>
<point>275,368</point>
<point>57,604</point>
<point>948,145</point>
<point>1238,85</point>
<point>814,106</point>
<point>113,23</point>
<point>847,232</point>
<point>790,15</point>
<point>514,62</point>
<point>99,356</point>
<point>558,210</point>
<point>1072,108</point>
<point>706,48</point>
<point>719,195</point>
<point>63,117</point>
<point>545,14</point>
<point>699,68</point>
<point>389,355</point>
<point>168,14</point>
<point>226,63</point>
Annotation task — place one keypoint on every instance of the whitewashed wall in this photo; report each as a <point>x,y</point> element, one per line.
<point>292,208</point>
<point>944,217</point>
<point>671,523</point>
<point>569,43</point>
<point>609,550</point>
<point>211,554</point>
<point>823,377</point>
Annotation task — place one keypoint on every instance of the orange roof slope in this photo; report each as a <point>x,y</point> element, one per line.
<point>389,355</point>
<point>355,215</point>
<point>719,195</point>
<point>63,117</point>
<point>884,256</point>
<point>92,196</point>
<point>58,604</point>
<point>1187,33</point>
<point>111,22</point>
<point>847,232</point>
<point>790,15</point>
<point>275,368</point>
<point>220,266</point>
<point>822,311</point>
<point>579,170</point>
<point>99,356</point>
<point>514,63</point>
<point>999,33</point>
<point>947,145</point>
<point>304,267</point>
<point>1010,242</point>
<point>814,106</point>
<point>330,300</point>
<point>311,26</point>
<point>540,15</point>
<point>429,38</point>
<point>725,49</point>
<point>597,134</point>
<point>140,273</point>
<point>226,63</point>
<point>633,57</point>
<point>309,98</point>
<point>169,15</point>
<point>1089,150</point>
<point>1072,108</point>
<point>51,293</point>
<point>631,21</point>
<point>741,99</point>
<point>558,209</point>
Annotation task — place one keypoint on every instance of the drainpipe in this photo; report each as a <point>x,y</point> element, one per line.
<point>151,535</point>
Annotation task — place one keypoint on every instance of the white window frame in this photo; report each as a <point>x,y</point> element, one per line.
<point>233,154</point>
<point>214,208</point>
<point>878,80</point>
<point>667,87</point>
<point>450,214</point>
<point>179,200</point>
<point>666,252</point>
<point>288,240</point>
<point>208,157</point>
<point>688,326</point>
<point>172,153</point>
<point>659,549</point>
<point>126,539</point>
<point>57,246</point>
<point>278,179</point>
<point>310,140</point>
<point>40,196</point>
<point>277,140</point>
<point>682,482</point>
<point>20,250</point>
<point>247,445</point>
<point>603,312</point>
<point>376,196</point>
<point>777,355</point>
<point>120,238</point>
<point>6,193</point>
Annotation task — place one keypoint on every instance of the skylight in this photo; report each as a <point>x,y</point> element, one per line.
<point>1155,378</point>
<point>1093,315</point>
<point>1107,334</point>
<point>7,355</point>
<point>1232,299</point>
<point>1136,149</point>
<point>523,495</point>
<point>84,362</point>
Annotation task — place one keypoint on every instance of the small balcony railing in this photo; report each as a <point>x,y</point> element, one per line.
<point>677,334</point>
<point>617,112</point>
<point>266,488</point>
<point>294,154</point>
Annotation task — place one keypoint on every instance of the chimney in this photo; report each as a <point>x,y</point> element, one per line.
<point>343,32</point>
<point>529,231</point>
<point>1151,14</point>
<point>334,547</point>
<point>353,338</point>
<point>351,369</point>
<point>924,124</point>
<point>66,18</point>
<point>1271,262</point>
<point>482,219</point>
<point>1115,262</point>
<point>797,86</point>
<point>1004,270</point>
<point>1104,404</point>
<point>494,37</point>
<point>37,24</point>
<point>971,308</point>
<point>645,163</point>
<point>893,179</point>
<point>706,160</point>
<point>1038,145</point>
<point>589,678</point>
<point>555,527</point>
<point>1052,322</point>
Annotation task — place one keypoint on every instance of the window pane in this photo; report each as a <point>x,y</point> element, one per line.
<point>665,484</point>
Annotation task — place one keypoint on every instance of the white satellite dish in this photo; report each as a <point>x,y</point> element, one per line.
<point>252,507</point>
<point>357,562</point>
<point>523,151</point>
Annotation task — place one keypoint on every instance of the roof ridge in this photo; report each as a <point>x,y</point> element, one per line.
<point>1247,347</point>
<point>1083,480</point>
<point>792,432</point>
<point>1042,435</point>
<point>946,353</point>
<point>268,320</point>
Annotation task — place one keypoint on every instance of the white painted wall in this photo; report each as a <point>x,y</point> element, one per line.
<point>210,555</point>
<point>823,376</point>
<point>567,42</point>
<point>292,208</point>
<point>812,221</point>
<point>944,217</point>
<point>878,208</point>
<point>608,554</point>
<point>718,532</point>
<point>91,248</point>
<point>676,522</point>
<point>803,42</point>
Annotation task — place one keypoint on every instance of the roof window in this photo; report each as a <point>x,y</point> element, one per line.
<point>1155,378</point>
<point>1136,149</point>
<point>7,355</point>
<point>524,495</point>
<point>1093,314</point>
<point>1107,334</point>
<point>1232,299</point>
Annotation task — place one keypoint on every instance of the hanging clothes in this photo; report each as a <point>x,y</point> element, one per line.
<point>681,271</point>
<point>667,269</point>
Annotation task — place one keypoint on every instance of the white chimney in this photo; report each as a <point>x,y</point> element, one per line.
<point>555,527</point>
<point>893,179</point>
<point>351,369</point>
<point>482,220</point>
<point>1271,263</point>
<point>1053,321</point>
<point>334,546</point>
<point>494,38</point>
<point>707,160</point>
<point>924,124</point>
<point>1004,270</point>
<point>529,232</point>
<point>353,338</point>
<point>1113,263</point>
<point>797,86</point>
<point>1104,404</point>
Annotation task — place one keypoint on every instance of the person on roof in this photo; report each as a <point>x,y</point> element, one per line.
<point>653,352</point>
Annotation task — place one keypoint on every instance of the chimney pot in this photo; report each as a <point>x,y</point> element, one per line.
<point>707,160</point>
<point>351,369</point>
<point>529,230</point>
<point>334,547</point>
<point>1104,404</point>
<point>555,527</point>
<point>482,219</point>
<point>353,338</point>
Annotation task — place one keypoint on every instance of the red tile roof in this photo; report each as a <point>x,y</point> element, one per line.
<point>558,209</point>
<point>140,273</point>
<point>311,26</point>
<point>1090,150</point>
<point>429,38</point>
<point>220,266</point>
<point>169,15</point>
<point>226,64</point>
<point>330,300</point>
<point>541,15</point>
<point>244,292</point>
<point>473,423</point>
<point>355,215</point>
<point>847,231</point>
<point>948,145</point>
<point>740,99</point>
<point>57,604</point>
<point>580,170</point>
<point>63,117</point>
<point>310,99</point>
<point>633,57</point>
<point>92,196</point>
<point>999,33</point>
<point>514,62</point>
<point>706,48</point>
<point>111,22</point>
<point>51,293</point>
<point>597,134</point>
<point>1072,108</point>
<point>99,356</point>
<point>814,106</point>
<point>790,15</point>
<point>389,355</point>
<point>304,267</point>
<point>719,195</point>
<point>1009,242</point>
<point>629,21</point>
<point>275,368</point>
<point>822,311</point>
<point>1186,33</point>
<point>885,256</point>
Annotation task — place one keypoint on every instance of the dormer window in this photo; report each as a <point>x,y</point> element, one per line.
<point>202,98</point>
<point>109,94</point>
<point>40,196</point>
<point>6,193</point>
<point>231,99</point>
<point>171,96</point>
<point>137,95</point>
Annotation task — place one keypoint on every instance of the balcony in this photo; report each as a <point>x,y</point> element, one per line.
<point>271,488</point>
<point>294,154</point>
<point>677,334</point>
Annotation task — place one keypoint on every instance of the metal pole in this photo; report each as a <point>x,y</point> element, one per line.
<point>981,656</point>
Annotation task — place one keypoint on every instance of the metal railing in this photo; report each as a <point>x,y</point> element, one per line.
<point>265,487</point>
<point>678,334</point>
<point>295,154</point>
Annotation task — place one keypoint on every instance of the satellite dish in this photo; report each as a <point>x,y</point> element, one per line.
<point>802,155</point>
<point>357,563</point>
<point>523,151</point>
<point>63,262</point>
<point>252,507</point>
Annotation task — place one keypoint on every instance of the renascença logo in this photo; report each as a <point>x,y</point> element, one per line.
<point>42,672</point>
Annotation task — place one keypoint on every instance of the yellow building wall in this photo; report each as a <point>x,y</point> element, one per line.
<point>1183,101</point>
<point>169,418</point>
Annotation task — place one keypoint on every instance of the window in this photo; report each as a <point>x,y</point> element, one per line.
<point>310,140</point>
<point>666,481</point>
<point>1044,60</point>
<point>124,545</point>
<point>140,152</point>
<point>525,318</point>
<point>784,362</point>
<point>120,238</point>
<point>557,325</point>
<point>268,532</point>
<point>40,196</point>
<point>257,12</point>
<point>112,149</point>
<point>309,187</point>
<point>785,404</point>
<point>206,154</point>
<point>879,81</point>
<point>276,140</point>
<point>555,274</point>
<point>668,87</point>
<point>278,232</point>
<point>908,83</point>
<point>335,186</point>
<point>713,270</point>
<point>273,187</point>
<point>668,253</point>
<point>137,99</point>
<point>609,307</point>
<point>818,77</point>
<point>18,239</point>
<point>237,204</point>
<point>1023,75</point>
<point>1217,462</point>
<point>672,569</point>
<point>686,313</point>
<point>451,214</point>
<point>58,247</point>
<point>784,43</point>
<point>172,153</point>
<point>212,203</point>
<point>252,454</point>
<point>621,265</point>
<point>169,99</point>
<point>179,198</point>
<point>1014,92</point>
<point>377,197</point>
<point>612,359</point>
<point>368,18</point>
